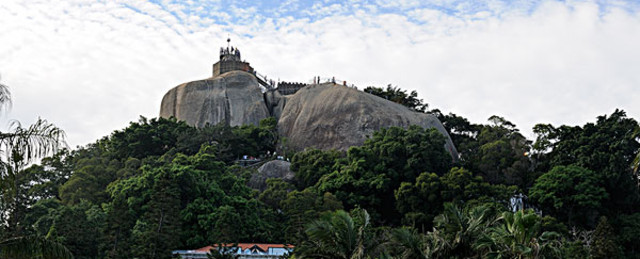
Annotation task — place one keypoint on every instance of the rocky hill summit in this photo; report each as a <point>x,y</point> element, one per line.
<point>233,98</point>
<point>331,116</point>
<point>319,115</point>
<point>324,116</point>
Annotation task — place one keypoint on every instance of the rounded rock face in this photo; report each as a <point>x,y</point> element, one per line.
<point>272,169</point>
<point>329,116</point>
<point>323,116</point>
<point>233,98</point>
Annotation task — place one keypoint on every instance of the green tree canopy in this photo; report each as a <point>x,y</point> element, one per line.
<point>311,164</point>
<point>606,147</point>
<point>372,172</point>
<point>605,242</point>
<point>571,193</point>
<point>421,201</point>
<point>399,96</point>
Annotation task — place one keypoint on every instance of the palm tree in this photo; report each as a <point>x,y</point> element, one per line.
<point>517,235</point>
<point>457,229</point>
<point>453,236</point>
<point>338,235</point>
<point>20,147</point>
<point>31,248</point>
<point>408,244</point>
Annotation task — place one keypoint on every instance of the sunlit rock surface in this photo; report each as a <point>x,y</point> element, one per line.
<point>328,116</point>
<point>233,98</point>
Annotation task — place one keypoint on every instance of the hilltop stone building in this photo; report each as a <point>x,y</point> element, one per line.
<point>230,60</point>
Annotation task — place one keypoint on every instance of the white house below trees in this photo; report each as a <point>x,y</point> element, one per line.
<point>243,250</point>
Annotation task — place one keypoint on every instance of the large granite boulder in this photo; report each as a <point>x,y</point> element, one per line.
<point>272,169</point>
<point>324,116</point>
<point>233,98</point>
<point>329,116</point>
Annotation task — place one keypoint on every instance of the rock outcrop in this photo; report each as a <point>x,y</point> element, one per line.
<point>272,169</point>
<point>329,116</point>
<point>324,116</point>
<point>233,98</point>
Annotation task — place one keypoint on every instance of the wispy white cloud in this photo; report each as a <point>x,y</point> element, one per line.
<point>91,67</point>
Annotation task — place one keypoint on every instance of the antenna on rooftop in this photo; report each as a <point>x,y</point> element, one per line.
<point>228,41</point>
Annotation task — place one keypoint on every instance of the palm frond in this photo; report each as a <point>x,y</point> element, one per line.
<point>518,235</point>
<point>33,247</point>
<point>23,145</point>
<point>410,244</point>
<point>339,235</point>
<point>5,97</point>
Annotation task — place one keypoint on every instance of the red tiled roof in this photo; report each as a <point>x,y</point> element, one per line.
<point>245,246</point>
<point>204,249</point>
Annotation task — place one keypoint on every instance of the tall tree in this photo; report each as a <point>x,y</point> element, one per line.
<point>373,171</point>
<point>145,138</point>
<point>311,164</point>
<point>501,155</point>
<point>21,146</point>
<point>80,228</point>
<point>421,201</point>
<point>606,147</point>
<point>276,192</point>
<point>605,243</point>
<point>572,194</point>
<point>628,232</point>
<point>302,207</point>
<point>462,132</point>
<point>157,232</point>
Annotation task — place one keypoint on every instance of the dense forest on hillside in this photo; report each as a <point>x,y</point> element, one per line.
<point>160,185</point>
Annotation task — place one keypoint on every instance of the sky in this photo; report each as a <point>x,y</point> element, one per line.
<point>91,67</point>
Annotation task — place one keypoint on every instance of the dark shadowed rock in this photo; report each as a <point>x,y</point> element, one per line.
<point>272,169</point>
<point>275,103</point>
<point>328,116</point>
<point>234,98</point>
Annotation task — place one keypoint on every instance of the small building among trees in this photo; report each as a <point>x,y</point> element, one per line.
<point>240,251</point>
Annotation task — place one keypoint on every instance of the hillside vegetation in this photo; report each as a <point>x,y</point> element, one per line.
<point>160,185</point>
